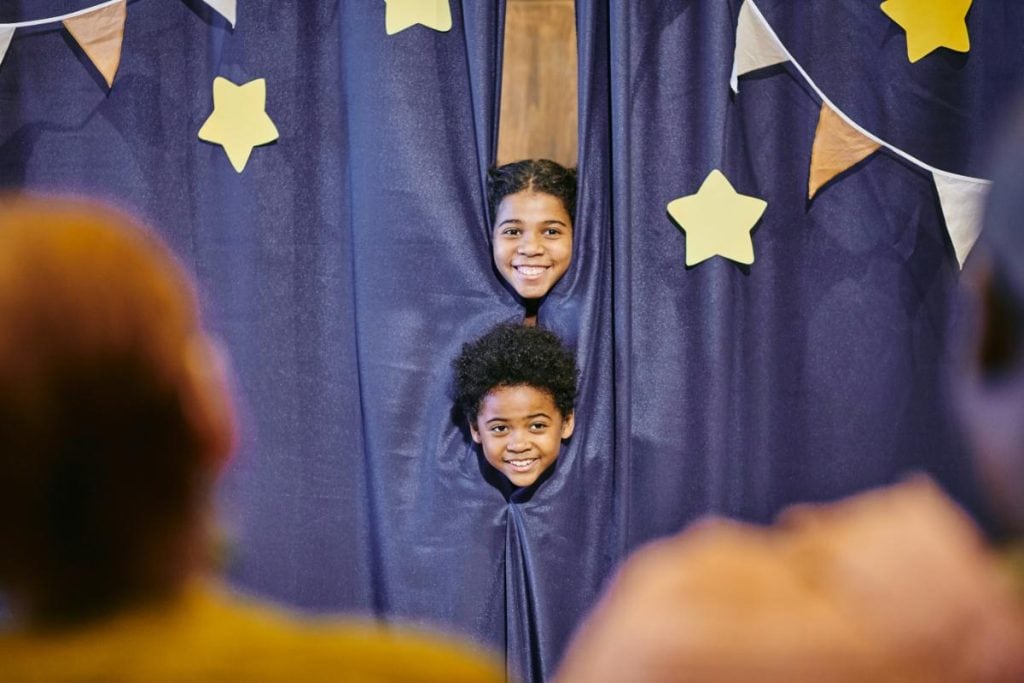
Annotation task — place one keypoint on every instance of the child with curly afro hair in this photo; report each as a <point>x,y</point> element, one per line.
<point>516,387</point>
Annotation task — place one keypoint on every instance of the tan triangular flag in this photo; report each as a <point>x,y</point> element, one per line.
<point>6,33</point>
<point>100,34</point>
<point>756,46</point>
<point>962,201</point>
<point>837,147</point>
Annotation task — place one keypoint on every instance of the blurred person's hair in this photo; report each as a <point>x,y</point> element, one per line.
<point>109,433</point>
<point>989,372</point>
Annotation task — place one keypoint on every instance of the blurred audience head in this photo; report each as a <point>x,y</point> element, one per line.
<point>990,386</point>
<point>114,416</point>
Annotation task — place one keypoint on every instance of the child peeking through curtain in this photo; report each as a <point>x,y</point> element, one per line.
<point>516,387</point>
<point>533,205</point>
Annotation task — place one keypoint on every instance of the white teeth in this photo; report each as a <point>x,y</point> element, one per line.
<point>530,271</point>
<point>521,463</point>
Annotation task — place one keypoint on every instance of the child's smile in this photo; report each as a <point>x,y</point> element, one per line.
<point>521,431</point>
<point>532,242</point>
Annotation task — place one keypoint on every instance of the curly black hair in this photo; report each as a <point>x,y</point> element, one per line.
<point>536,175</point>
<point>514,355</point>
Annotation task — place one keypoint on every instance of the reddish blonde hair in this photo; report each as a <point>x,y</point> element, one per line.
<point>101,458</point>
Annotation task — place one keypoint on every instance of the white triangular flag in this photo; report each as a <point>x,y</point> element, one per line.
<point>6,33</point>
<point>226,8</point>
<point>962,201</point>
<point>756,46</point>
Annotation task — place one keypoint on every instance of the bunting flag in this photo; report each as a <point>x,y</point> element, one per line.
<point>756,46</point>
<point>840,143</point>
<point>226,8</point>
<point>100,34</point>
<point>837,147</point>
<point>6,33</point>
<point>99,31</point>
<point>962,200</point>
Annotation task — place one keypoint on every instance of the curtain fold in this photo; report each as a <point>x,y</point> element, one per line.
<point>421,113</point>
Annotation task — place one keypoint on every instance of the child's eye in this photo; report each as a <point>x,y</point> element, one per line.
<point>511,232</point>
<point>552,232</point>
<point>499,429</point>
<point>538,426</point>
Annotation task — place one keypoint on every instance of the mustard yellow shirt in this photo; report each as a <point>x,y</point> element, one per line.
<point>208,635</point>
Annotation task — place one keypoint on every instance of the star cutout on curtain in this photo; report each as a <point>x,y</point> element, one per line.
<point>401,14</point>
<point>717,221</point>
<point>931,24</point>
<point>239,119</point>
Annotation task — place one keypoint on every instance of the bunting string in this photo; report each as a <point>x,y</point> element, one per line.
<point>225,8</point>
<point>756,12</point>
<point>840,142</point>
<point>99,31</point>
<point>62,17</point>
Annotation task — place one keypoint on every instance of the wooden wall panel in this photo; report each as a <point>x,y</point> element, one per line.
<point>538,89</point>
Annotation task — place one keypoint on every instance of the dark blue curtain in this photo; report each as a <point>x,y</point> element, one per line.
<point>348,263</point>
<point>816,371</point>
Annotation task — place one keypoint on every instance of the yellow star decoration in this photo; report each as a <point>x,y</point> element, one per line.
<point>717,221</point>
<point>931,24</point>
<point>401,14</point>
<point>239,119</point>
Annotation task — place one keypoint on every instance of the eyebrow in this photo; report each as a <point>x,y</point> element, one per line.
<point>552,221</point>
<point>528,417</point>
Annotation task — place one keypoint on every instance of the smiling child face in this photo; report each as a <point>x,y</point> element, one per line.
<point>521,431</point>
<point>532,242</point>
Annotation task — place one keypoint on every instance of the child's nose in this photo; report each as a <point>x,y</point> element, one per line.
<point>518,443</point>
<point>530,245</point>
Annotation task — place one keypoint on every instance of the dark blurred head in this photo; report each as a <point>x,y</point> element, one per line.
<point>113,412</point>
<point>990,389</point>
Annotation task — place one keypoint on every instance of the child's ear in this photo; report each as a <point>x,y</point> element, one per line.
<point>568,425</point>
<point>473,431</point>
